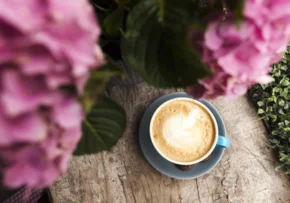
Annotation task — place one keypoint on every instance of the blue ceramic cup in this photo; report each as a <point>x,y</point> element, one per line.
<point>219,141</point>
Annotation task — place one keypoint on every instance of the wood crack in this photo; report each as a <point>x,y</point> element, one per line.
<point>197,190</point>
<point>148,185</point>
<point>179,195</point>
<point>106,177</point>
<point>122,183</point>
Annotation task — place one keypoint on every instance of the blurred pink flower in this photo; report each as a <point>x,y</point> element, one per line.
<point>241,56</point>
<point>44,46</point>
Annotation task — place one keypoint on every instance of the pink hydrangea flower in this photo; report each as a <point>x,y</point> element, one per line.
<point>44,46</point>
<point>241,56</point>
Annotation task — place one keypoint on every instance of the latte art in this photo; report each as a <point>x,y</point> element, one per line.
<point>183,130</point>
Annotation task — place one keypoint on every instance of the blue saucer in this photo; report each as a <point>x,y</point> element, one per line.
<point>161,164</point>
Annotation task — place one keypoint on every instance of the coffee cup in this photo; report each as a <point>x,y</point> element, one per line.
<point>185,132</point>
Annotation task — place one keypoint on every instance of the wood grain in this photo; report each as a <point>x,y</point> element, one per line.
<point>245,175</point>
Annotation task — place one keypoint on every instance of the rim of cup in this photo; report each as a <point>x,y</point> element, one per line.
<point>212,117</point>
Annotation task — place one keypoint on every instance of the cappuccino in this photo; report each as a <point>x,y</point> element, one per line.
<point>183,130</point>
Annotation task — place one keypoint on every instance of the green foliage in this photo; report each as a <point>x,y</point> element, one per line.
<point>106,120</point>
<point>102,128</point>
<point>113,22</point>
<point>154,37</point>
<point>273,101</point>
<point>156,43</point>
<point>97,82</point>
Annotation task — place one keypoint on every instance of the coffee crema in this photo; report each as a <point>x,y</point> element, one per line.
<point>183,130</point>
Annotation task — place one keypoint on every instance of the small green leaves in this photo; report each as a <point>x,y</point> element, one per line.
<point>273,103</point>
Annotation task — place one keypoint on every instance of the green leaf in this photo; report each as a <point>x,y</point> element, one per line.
<point>270,99</point>
<point>274,132</point>
<point>97,81</point>
<point>261,111</point>
<point>278,168</point>
<point>113,22</point>
<point>260,103</point>
<point>122,2</point>
<point>273,116</point>
<point>102,5</point>
<point>266,94</point>
<point>285,83</point>
<point>285,94</point>
<point>280,111</point>
<point>283,67</point>
<point>277,74</point>
<point>157,43</point>
<point>281,102</point>
<point>102,128</point>
<point>127,3</point>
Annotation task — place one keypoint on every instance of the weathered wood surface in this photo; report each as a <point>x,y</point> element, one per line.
<point>245,175</point>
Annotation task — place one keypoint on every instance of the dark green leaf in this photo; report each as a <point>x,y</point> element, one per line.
<point>102,128</point>
<point>122,2</point>
<point>266,94</point>
<point>113,22</point>
<point>127,3</point>
<point>102,5</point>
<point>156,43</point>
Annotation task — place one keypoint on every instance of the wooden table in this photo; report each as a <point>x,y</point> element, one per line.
<point>245,174</point>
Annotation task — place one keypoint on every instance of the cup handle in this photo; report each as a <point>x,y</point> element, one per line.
<point>223,142</point>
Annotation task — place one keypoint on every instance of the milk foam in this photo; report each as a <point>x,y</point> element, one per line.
<point>182,131</point>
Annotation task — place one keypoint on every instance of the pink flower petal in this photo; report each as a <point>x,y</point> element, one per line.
<point>23,94</point>
<point>67,113</point>
<point>27,128</point>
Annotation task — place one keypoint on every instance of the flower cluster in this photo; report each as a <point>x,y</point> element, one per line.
<point>45,47</point>
<point>240,56</point>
